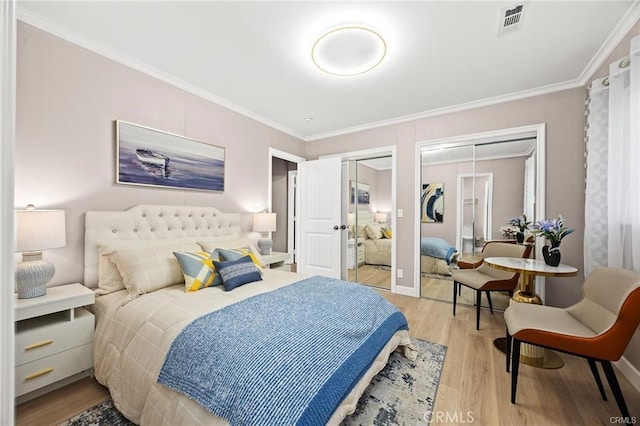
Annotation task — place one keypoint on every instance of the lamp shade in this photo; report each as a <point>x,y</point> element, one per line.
<point>380,217</point>
<point>37,230</point>
<point>264,222</point>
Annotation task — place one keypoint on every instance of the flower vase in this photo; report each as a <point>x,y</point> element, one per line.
<point>520,237</point>
<point>551,254</point>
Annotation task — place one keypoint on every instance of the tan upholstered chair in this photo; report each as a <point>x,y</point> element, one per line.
<point>488,279</point>
<point>597,328</point>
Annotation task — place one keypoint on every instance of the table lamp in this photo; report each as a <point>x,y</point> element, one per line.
<point>264,223</point>
<point>37,230</point>
<point>380,217</point>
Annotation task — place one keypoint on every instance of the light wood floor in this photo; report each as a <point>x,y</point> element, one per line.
<point>473,382</point>
<point>440,289</point>
<point>373,275</point>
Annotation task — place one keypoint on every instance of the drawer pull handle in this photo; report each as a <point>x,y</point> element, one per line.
<point>38,345</point>
<point>39,373</point>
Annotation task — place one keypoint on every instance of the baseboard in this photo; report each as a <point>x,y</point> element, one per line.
<point>406,291</point>
<point>629,371</point>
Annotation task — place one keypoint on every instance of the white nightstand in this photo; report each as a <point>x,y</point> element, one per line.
<point>276,260</point>
<point>354,250</point>
<point>54,335</point>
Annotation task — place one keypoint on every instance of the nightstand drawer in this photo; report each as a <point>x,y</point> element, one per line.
<point>42,372</point>
<point>43,336</point>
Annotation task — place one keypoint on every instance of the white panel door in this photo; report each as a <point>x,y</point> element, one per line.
<point>319,184</point>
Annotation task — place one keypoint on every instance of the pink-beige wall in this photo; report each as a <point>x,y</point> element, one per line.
<point>384,189</point>
<point>67,101</point>
<point>563,113</point>
<point>508,194</point>
<point>379,182</point>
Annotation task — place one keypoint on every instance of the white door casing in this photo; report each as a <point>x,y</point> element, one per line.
<point>291,215</point>
<point>320,226</point>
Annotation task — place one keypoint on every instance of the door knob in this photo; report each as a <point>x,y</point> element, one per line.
<point>336,227</point>
<point>343,227</point>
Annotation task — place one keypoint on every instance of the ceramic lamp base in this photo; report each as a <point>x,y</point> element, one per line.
<point>265,244</point>
<point>32,275</point>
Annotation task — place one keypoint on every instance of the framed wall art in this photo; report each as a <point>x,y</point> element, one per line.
<point>432,202</point>
<point>363,193</point>
<point>150,157</point>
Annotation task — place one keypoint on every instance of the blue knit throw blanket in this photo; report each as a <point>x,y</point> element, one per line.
<point>437,247</point>
<point>285,357</point>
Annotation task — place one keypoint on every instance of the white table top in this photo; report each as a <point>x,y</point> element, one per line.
<point>275,257</point>
<point>530,266</point>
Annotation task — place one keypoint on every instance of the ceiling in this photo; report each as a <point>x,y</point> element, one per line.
<point>255,57</point>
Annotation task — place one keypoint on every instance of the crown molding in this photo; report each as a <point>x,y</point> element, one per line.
<point>74,37</point>
<point>613,40</point>
<point>616,36</point>
<point>557,87</point>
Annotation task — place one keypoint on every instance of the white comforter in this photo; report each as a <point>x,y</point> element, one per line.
<point>131,341</point>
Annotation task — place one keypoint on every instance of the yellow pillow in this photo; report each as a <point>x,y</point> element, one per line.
<point>386,232</point>
<point>237,253</point>
<point>198,270</point>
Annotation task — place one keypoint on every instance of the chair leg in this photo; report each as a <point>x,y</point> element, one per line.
<point>615,388</point>
<point>478,294</point>
<point>596,375</point>
<point>514,371</point>
<point>508,350</point>
<point>489,299</point>
<point>455,296</point>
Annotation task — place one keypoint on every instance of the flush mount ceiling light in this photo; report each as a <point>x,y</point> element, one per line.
<point>348,51</point>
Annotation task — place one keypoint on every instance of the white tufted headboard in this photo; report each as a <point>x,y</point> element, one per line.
<point>152,222</point>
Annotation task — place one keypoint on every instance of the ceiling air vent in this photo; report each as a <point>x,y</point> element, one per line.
<point>510,19</point>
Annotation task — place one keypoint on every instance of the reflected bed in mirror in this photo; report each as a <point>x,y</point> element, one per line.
<point>369,218</point>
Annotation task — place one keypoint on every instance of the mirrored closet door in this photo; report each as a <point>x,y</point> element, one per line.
<point>369,243</point>
<point>469,194</point>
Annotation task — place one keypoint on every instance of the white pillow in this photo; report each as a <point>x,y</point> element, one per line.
<point>148,269</point>
<point>109,278</point>
<point>373,231</point>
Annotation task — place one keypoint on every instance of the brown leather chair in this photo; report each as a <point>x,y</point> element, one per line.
<point>598,327</point>
<point>488,279</point>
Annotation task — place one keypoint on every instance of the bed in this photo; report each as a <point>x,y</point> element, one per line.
<point>377,239</point>
<point>436,256</point>
<point>143,320</point>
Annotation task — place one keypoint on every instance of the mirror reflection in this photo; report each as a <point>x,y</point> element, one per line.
<point>370,235</point>
<point>470,193</point>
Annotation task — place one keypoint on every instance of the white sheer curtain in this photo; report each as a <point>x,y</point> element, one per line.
<point>612,199</point>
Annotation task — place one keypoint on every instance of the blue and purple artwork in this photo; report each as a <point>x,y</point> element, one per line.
<point>152,157</point>
<point>432,202</point>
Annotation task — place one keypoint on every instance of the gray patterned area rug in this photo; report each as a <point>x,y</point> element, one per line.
<point>402,393</point>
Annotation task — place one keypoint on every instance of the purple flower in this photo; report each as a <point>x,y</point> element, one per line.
<point>553,229</point>
<point>520,222</point>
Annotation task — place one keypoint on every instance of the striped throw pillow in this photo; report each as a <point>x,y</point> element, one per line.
<point>237,272</point>
<point>198,270</point>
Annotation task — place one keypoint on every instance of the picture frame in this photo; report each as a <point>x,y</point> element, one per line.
<point>363,191</point>
<point>432,202</point>
<point>151,157</point>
